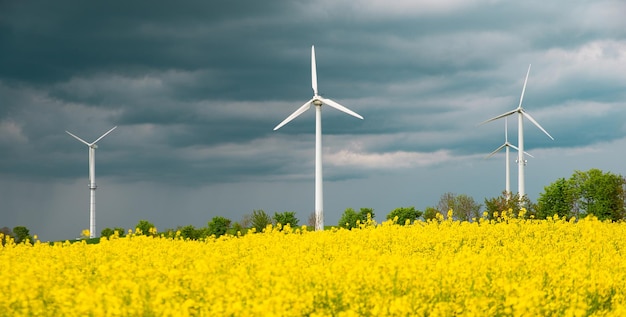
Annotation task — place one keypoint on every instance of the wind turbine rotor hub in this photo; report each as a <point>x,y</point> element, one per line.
<point>317,102</point>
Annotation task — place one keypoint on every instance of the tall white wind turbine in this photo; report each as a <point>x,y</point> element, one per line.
<point>506,146</point>
<point>317,101</point>
<point>521,113</point>
<point>92,179</point>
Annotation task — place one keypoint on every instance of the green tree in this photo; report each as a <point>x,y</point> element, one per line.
<point>404,214</point>
<point>21,234</point>
<point>511,204</point>
<point>597,193</point>
<point>145,227</point>
<point>350,217</point>
<point>430,213</point>
<point>218,226</point>
<point>260,219</point>
<point>190,232</point>
<point>556,199</point>
<point>107,232</point>
<point>585,193</point>
<point>120,231</point>
<point>287,217</point>
<point>235,228</point>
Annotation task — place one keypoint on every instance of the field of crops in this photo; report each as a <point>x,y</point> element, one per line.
<point>503,267</point>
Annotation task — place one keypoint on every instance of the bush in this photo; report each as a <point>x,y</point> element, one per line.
<point>260,219</point>
<point>404,214</point>
<point>145,228</point>
<point>189,232</point>
<point>21,234</point>
<point>218,226</point>
<point>107,232</point>
<point>120,231</point>
<point>287,217</point>
<point>349,218</point>
<point>430,213</point>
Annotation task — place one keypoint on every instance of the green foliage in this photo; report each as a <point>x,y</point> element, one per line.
<point>511,204</point>
<point>190,232</point>
<point>349,218</point>
<point>145,227</point>
<point>107,232</point>
<point>404,214</point>
<point>464,207</point>
<point>556,199</point>
<point>237,229</point>
<point>430,213</point>
<point>585,193</point>
<point>21,234</point>
<point>260,219</point>
<point>287,217</point>
<point>120,231</point>
<point>218,226</point>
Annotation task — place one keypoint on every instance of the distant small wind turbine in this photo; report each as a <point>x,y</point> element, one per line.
<point>521,113</point>
<point>506,146</point>
<point>92,179</point>
<point>317,101</point>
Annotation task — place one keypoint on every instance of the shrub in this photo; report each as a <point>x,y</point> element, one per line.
<point>287,217</point>
<point>260,219</point>
<point>404,214</point>
<point>218,226</point>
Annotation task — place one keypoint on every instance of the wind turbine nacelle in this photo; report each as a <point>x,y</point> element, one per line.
<point>95,146</point>
<point>317,102</point>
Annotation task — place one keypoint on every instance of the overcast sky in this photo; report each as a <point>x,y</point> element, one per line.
<point>196,88</point>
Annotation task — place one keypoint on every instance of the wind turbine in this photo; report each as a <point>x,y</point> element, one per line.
<point>521,113</point>
<point>317,101</point>
<point>506,146</point>
<point>92,179</point>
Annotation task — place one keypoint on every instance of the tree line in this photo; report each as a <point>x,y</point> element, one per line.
<point>583,194</point>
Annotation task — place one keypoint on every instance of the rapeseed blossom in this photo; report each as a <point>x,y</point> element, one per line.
<point>499,267</point>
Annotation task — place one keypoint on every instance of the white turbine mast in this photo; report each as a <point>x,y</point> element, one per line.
<point>506,146</point>
<point>92,179</point>
<point>521,113</point>
<point>317,101</point>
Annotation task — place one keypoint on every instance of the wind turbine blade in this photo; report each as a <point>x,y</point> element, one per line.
<point>100,138</point>
<point>495,151</point>
<point>313,71</point>
<point>298,112</point>
<point>516,149</point>
<point>537,124</point>
<point>77,138</point>
<point>340,107</point>
<point>500,116</point>
<point>524,89</point>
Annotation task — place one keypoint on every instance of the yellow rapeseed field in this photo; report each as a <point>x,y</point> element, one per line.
<point>502,267</point>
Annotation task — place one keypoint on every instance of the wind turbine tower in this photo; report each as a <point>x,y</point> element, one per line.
<point>506,146</point>
<point>92,179</point>
<point>521,113</point>
<point>317,101</point>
